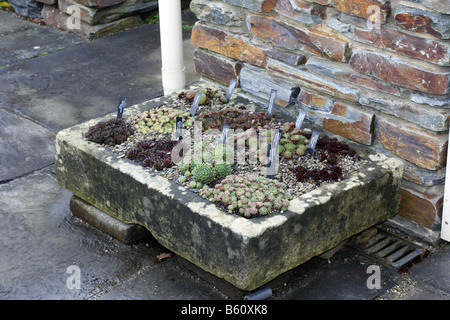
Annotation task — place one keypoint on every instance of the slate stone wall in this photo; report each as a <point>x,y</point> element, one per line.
<point>97,18</point>
<point>374,71</point>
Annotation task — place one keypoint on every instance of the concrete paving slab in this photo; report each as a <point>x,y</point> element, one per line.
<point>411,290</point>
<point>12,24</point>
<point>21,40</point>
<point>68,87</point>
<point>41,239</point>
<point>33,43</point>
<point>167,280</point>
<point>342,277</point>
<point>24,146</point>
<point>434,271</point>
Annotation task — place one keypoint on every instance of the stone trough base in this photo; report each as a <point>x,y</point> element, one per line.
<point>245,252</point>
<point>124,232</point>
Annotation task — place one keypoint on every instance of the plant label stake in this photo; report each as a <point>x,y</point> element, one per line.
<point>196,103</point>
<point>294,95</point>
<point>273,96</point>
<point>312,143</point>
<point>230,89</point>
<point>225,130</point>
<point>272,154</point>
<point>300,118</point>
<point>179,132</point>
<point>120,108</point>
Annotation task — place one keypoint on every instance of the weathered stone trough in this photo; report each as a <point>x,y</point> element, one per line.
<point>245,252</point>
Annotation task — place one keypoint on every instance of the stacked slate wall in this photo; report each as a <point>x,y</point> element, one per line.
<point>374,71</point>
<point>95,18</point>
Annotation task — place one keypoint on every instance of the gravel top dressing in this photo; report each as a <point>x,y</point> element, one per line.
<point>150,136</point>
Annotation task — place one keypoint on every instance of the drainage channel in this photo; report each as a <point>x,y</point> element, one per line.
<point>388,249</point>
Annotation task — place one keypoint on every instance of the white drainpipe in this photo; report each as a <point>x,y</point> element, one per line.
<point>445,227</point>
<point>173,77</point>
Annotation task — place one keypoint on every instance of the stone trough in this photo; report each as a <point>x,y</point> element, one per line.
<point>245,252</point>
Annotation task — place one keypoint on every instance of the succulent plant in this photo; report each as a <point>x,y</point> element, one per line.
<point>294,141</point>
<point>193,184</point>
<point>330,173</point>
<point>160,120</point>
<point>223,153</point>
<point>153,153</point>
<point>184,167</point>
<point>331,150</point>
<point>335,148</point>
<point>220,157</point>
<point>210,96</point>
<point>289,146</point>
<point>204,173</point>
<point>235,118</point>
<point>111,132</point>
<point>222,169</point>
<point>188,164</point>
<point>249,195</point>
<point>287,154</point>
<point>300,151</point>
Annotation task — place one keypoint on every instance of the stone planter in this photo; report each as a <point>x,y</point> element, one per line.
<point>245,252</point>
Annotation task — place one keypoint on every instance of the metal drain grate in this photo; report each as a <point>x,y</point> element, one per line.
<point>387,248</point>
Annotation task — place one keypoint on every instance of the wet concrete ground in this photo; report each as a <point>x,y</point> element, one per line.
<point>41,239</point>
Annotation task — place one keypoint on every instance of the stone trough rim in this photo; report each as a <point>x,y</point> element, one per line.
<point>248,253</point>
<point>257,225</point>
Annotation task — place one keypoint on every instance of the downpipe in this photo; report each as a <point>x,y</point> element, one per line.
<point>172,56</point>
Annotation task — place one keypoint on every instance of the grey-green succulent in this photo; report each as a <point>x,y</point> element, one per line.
<point>160,120</point>
<point>249,195</point>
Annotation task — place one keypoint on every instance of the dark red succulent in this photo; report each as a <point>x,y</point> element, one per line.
<point>153,153</point>
<point>330,173</point>
<point>111,132</point>
<point>335,148</point>
<point>235,118</point>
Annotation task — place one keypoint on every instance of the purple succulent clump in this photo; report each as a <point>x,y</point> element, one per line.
<point>111,132</point>
<point>330,173</point>
<point>335,148</point>
<point>153,153</point>
<point>235,118</point>
<point>331,149</point>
